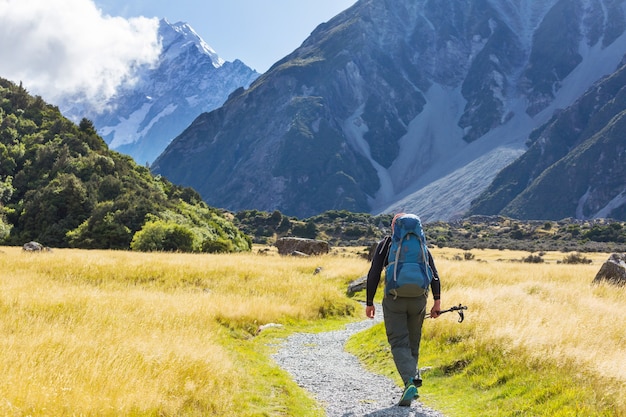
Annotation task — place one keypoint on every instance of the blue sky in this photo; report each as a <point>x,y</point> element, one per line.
<point>258,32</point>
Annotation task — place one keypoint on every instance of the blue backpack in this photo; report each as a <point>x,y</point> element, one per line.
<point>408,272</point>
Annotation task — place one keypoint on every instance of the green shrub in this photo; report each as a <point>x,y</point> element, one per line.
<point>217,246</point>
<point>163,236</point>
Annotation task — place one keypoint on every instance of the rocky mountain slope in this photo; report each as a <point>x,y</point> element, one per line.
<point>145,115</point>
<point>575,166</point>
<point>399,105</point>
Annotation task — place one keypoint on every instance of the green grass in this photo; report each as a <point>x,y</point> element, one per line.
<point>466,376</point>
<point>269,390</point>
<point>265,389</point>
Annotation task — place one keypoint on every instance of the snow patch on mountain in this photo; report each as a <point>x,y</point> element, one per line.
<point>189,37</point>
<point>194,101</point>
<point>434,135</point>
<point>169,109</point>
<point>597,63</point>
<point>130,130</point>
<point>126,131</point>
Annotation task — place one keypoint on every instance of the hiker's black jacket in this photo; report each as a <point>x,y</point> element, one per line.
<point>379,261</point>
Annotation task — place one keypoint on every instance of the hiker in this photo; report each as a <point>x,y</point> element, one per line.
<point>409,272</point>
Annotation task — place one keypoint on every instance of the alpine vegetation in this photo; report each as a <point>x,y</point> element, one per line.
<point>61,186</point>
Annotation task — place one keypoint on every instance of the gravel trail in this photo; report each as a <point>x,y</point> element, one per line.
<point>319,363</point>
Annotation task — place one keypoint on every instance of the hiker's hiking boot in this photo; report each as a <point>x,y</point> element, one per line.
<point>409,394</point>
<point>417,381</point>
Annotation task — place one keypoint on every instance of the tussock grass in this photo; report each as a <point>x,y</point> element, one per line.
<point>120,333</point>
<point>538,339</point>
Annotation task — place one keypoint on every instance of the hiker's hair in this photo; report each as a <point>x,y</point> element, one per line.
<point>393,221</point>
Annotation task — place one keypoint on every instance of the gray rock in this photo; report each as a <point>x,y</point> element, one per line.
<point>357,285</point>
<point>289,245</point>
<point>34,247</point>
<point>613,270</point>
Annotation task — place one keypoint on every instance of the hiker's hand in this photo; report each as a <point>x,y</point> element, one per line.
<point>370,311</point>
<point>434,312</point>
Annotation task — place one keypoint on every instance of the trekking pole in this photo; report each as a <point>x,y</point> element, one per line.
<point>458,308</point>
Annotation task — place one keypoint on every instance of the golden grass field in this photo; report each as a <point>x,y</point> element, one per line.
<point>99,333</point>
<point>123,333</point>
<point>547,312</point>
<point>551,309</point>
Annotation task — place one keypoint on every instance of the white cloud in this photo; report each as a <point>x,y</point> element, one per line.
<point>68,47</point>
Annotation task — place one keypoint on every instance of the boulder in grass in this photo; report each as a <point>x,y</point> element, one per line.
<point>613,270</point>
<point>357,285</point>
<point>34,247</point>
<point>289,245</point>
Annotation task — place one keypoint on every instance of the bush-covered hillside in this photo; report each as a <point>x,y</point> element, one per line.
<point>339,228</point>
<point>342,228</point>
<point>60,185</point>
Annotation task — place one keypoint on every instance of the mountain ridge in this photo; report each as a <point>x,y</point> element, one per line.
<point>398,106</point>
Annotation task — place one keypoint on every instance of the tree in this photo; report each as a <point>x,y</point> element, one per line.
<point>61,205</point>
<point>87,126</point>
<point>102,230</point>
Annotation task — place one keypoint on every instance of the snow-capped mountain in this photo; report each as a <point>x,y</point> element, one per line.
<point>404,105</point>
<point>147,113</point>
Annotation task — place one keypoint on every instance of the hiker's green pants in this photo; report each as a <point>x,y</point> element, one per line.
<point>404,317</point>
